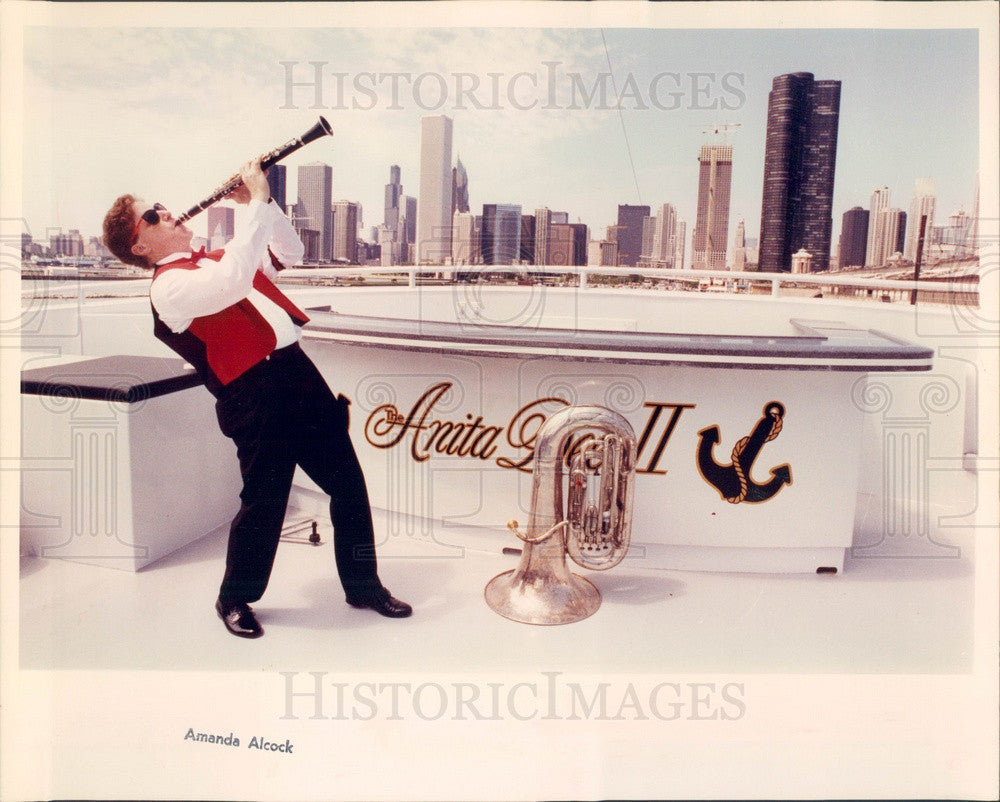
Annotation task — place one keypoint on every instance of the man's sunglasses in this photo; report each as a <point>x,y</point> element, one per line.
<point>151,216</point>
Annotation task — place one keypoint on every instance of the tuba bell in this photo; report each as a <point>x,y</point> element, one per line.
<point>593,526</point>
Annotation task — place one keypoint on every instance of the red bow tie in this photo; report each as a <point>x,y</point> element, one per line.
<point>196,255</point>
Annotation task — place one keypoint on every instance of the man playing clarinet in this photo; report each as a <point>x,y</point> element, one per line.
<point>222,313</point>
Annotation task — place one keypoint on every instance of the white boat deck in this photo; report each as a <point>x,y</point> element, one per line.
<point>881,676</point>
<point>887,612</point>
<point>902,605</point>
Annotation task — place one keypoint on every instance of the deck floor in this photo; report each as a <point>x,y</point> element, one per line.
<point>886,613</point>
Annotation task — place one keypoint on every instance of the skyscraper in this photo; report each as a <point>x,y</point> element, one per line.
<point>434,209</point>
<point>739,259</point>
<point>921,205</point>
<point>681,244</point>
<point>388,241</point>
<point>628,233</point>
<point>561,244</point>
<point>465,242</point>
<point>459,188</point>
<point>315,192</point>
<point>664,247</point>
<point>603,253</point>
<point>501,234</point>
<point>406,234</point>
<point>854,237</point>
<point>221,226</point>
<point>345,232</point>
<point>711,228</point>
<point>393,196</point>
<point>568,243</point>
<point>68,244</point>
<point>527,247</point>
<point>876,240</point>
<point>310,240</point>
<point>580,234</point>
<point>648,228</point>
<point>900,224</point>
<point>277,180</point>
<point>889,229</point>
<point>543,221</point>
<point>799,163</point>
<point>409,223</point>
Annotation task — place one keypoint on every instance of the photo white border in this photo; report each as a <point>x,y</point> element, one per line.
<point>115,733</point>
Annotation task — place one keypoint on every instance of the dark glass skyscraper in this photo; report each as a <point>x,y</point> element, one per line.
<point>459,188</point>
<point>501,233</point>
<point>527,247</point>
<point>799,163</point>
<point>580,234</point>
<point>901,232</point>
<point>409,207</point>
<point>277,180</point>
<point>628,233</point>
<point>853,237</point>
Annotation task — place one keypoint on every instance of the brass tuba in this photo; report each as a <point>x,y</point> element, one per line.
<point>594,525</point>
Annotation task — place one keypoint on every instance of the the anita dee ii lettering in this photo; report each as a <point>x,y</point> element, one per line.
<point>426,434</point>
<point>387,427</point>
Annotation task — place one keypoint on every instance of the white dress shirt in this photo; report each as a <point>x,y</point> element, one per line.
<point>182,295</point>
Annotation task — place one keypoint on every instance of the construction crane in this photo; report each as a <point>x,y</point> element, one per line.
<point>722,128</point>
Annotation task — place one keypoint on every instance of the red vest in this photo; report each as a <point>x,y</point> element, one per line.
<point>237,337</point>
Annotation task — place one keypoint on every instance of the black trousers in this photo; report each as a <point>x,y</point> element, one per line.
<point>280,414</point>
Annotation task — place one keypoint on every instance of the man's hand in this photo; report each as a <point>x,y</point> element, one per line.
<point>254,183</point>
<point>239,195</point>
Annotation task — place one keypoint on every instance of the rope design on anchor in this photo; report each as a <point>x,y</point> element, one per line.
<point>738,449</point>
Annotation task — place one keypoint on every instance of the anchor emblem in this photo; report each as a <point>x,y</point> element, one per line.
<point>733,481</point>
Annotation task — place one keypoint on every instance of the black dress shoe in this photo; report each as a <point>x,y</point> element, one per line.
<point>239,619</point>
<point>384,604</point>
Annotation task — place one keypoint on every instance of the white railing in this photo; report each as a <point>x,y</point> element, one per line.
<point>957,291</point>
<point>775,281</point>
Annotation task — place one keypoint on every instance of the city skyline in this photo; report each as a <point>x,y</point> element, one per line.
<point>587,161</point>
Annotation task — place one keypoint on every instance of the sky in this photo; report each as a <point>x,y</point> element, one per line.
<point>168,113</point>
